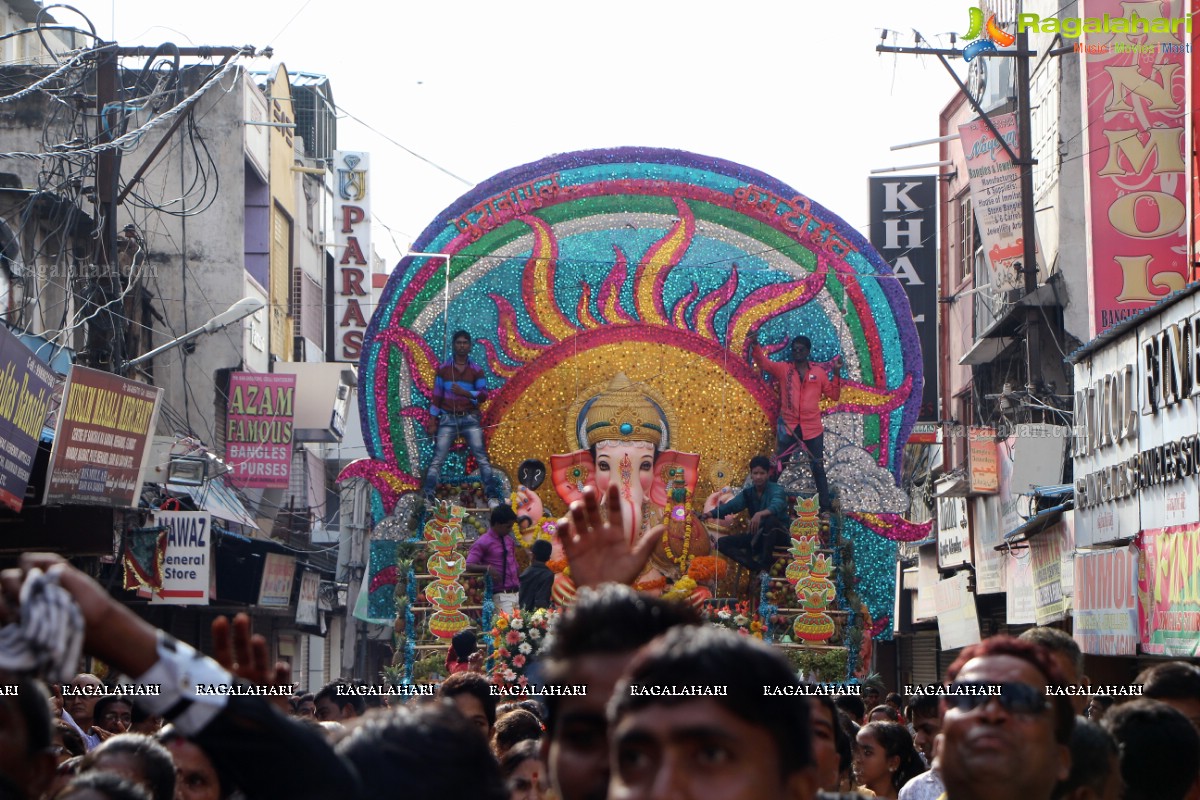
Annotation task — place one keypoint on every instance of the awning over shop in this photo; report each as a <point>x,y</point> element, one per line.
<point>1034,525</point>
<point>217,498</point>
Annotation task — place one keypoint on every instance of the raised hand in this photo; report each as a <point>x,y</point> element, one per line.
<point>246,656</point>
<point>599,550</point>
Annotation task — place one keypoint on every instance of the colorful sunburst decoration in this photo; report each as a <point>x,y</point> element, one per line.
<point>663,265</point>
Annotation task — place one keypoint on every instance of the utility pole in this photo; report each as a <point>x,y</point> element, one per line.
<point>1029,266</point>
<point>1025,163</point>
<point>105,342</point>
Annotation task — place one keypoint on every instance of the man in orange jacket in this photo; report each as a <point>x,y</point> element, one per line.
<point>801,387</point>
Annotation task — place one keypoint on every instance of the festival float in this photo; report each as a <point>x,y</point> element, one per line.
<point>614,296</point>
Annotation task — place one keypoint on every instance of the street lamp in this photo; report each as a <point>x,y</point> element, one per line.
<point>238,311</point>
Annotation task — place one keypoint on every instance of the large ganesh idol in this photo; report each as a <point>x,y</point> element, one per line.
<point>624,433</point>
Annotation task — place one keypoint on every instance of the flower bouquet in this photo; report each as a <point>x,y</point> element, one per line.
<point>517,639</point>
<point>738,618</point>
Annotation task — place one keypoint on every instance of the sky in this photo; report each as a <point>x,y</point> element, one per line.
<point>794,89</point>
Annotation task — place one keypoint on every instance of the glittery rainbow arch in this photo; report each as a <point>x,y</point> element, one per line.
<point>659,263</point>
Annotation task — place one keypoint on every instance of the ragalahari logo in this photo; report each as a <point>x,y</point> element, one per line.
<point>993,35</point>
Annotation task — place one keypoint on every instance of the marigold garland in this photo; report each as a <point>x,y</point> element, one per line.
<point>706,569</point>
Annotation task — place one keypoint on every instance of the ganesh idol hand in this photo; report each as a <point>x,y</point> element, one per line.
<point>599,550</point>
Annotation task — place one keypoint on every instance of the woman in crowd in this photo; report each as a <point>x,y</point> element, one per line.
<point>525,772</point>
<point>886,759</point>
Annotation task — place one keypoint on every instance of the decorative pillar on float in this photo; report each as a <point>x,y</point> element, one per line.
<point>445,593</point>
<point>809,575</point>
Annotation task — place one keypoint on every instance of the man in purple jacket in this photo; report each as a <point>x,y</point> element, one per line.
<point>495,553</point>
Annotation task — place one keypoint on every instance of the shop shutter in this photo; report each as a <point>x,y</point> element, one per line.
<point>925,657</point>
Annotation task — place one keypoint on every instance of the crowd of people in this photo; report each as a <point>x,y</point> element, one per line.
<point>637,699</point>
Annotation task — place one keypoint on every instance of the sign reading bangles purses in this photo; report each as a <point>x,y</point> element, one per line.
<point>102,441</point>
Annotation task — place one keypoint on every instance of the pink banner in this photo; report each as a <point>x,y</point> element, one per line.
<point>996,198</point>
<point>1169,591</point>
<point>1135,113</point>
<point>258,429</point>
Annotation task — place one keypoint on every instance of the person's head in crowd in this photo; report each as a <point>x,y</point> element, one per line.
<point>196,776</point>
<point>464,643</point>
<point>63,774</point>
<point>590,645</point>
<point>471,694</point>
<point>113,713</point>
<point>852,706</point>
<point>144,722</point>
<point>760,745</point>
<point>894,700</point>
<point>829,742</point>
<point>1159,751</point>
<point>541,550</point>
<point>102,786</point>
<point>514,727</point>
<point>524,772</point>
<point>26,755</point>
<point>337,703</point>
<point>66,742</point>
<point>883,713</point>
<point>1016,745</point>
<point>424,753</point>
<point>1066,653</point>
<point>847,747</point>
<point>502,519</point>
<point>536,708</point>
<point>1175,683</point>
<point>138,758</point>
<point>80,706</point>
<point>305,705</point>
<point>925,713</point>
<point>1095,772</point>
<point>870,696</point>
<point>1098,705</point>
<point>372,701</point>
<point>886,758</point>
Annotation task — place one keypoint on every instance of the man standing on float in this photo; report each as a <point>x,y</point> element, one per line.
<point>458,390</point>
<point>801,387</point>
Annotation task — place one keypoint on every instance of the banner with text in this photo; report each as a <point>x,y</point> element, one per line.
<point>306,605</point>
<point>1018,575</point>
<point>1169,591</point>
<point>259,429</point>
<point>1106,602</point>
<point>102,441</point>
<point>996,197</point>
<point>187,564</point>
<point>904,231</point>
<point>982,460</point>
<point>1049,601</point>
<point>275,590</point>
<point>26,384</point>
<point>1135,178</point>
<point>958,620</point>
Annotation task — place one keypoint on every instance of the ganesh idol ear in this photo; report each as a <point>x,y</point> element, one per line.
<point>674,470</point>
<point>571,472</point>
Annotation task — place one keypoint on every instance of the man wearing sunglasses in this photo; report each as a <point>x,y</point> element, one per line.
<point>1003,738</point>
